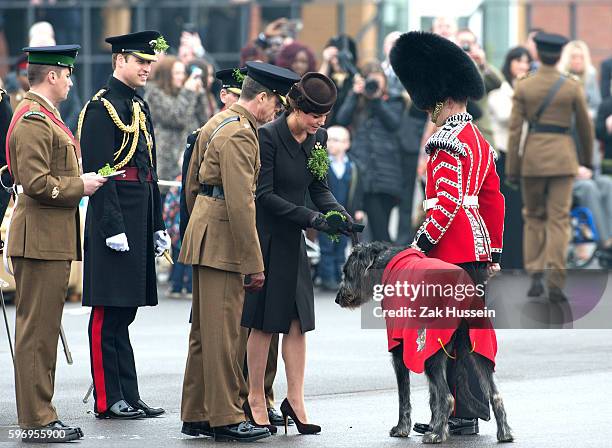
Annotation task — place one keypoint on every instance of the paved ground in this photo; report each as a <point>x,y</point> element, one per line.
<point>556,384</point>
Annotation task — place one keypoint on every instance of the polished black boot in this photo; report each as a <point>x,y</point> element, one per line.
<point>195,429</point>
<point>456,426</point>
<point>121,411</point>
<point>148,410</point>
<point>556,295</point>
<point>240,432</point>
<point>54,432</point>
<point>537,287</point>
<point>276,419</point>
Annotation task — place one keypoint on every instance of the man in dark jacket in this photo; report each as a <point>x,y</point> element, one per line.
<point>124,229</point>
<point>374,119</point>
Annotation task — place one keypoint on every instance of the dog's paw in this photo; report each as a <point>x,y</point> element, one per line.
<point>400,431</point>
<point>505,436</point>
<point>431,437</point>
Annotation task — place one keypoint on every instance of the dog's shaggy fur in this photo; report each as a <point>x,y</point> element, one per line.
<point>362,270</point>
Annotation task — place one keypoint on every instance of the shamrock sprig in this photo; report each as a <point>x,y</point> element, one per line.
<point>238,76</point>
<point>335,237</point>
<point>318,162</point>
<point>159,45</point>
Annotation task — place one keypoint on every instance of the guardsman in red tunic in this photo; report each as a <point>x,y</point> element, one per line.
<point>465,209</point>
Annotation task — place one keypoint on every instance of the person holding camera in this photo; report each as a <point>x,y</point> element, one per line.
<point>172,96</point>
<point>374,118</point>
<point>339,64</point>
<point>492,78</point>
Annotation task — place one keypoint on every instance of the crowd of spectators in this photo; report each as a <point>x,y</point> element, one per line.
<point>386,133</point>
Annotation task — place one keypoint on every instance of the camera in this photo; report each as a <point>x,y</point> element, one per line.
<point>371,87</point>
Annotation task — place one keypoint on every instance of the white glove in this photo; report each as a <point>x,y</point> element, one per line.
<point>118,242</point>
<point>162,242</point>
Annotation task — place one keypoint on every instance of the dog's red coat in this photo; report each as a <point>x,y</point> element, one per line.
<point>415,268</point>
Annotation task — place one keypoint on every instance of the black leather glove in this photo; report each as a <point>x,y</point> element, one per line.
<point>318,222</point>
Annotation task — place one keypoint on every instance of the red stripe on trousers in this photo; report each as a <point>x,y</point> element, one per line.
<point>96,354</point>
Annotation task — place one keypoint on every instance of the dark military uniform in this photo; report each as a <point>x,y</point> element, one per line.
<point>43,239</point>
<point>547,165</point>
<point>116,283</point>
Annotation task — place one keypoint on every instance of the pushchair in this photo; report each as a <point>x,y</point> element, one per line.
<point>586,237</point>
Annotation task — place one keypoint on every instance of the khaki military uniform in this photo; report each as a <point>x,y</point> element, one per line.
<point>43,239</point>
<point>547,165</point>
<point>221,243</point>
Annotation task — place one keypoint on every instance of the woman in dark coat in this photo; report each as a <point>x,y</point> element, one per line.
<point>286,302</point>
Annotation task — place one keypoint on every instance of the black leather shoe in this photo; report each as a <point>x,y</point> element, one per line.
<point>148,410</point>
<point>456,426</point>
<point>54,432</point>
<point>537,287</point>
<point>121,411</point>
<point>556,295</point>
<point>196,429</point>
<point>241,432</point>
<point>76,428</point>
<point>276,419</point>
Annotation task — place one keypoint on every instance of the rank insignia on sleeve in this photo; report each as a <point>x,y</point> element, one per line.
<point>54,193</point>
<point>34,114</point>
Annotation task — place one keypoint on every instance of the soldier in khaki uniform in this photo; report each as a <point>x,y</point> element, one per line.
<point>222,245</point>
<point>43,235</point>
<point>548,162</point>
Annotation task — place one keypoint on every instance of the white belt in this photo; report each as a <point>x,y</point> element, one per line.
<point>468,201</point>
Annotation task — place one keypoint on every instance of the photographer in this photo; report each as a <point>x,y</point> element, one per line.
<point>374,119</point>
<point>466,39</point>
<point>339,64</point>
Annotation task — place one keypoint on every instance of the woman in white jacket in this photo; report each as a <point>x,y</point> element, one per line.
<point>516,65</point>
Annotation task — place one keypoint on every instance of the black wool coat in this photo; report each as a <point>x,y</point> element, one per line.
<point>112,278</point>
<point>283,182</point>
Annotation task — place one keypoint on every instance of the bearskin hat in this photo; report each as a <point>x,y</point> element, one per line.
<point>433,68</point>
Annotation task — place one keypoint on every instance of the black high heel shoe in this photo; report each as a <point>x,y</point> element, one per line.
<point>303,428</point>
<point>246,407</point>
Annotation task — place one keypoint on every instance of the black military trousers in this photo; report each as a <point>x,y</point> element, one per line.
<point>112,359</point>
<point>477,270</point>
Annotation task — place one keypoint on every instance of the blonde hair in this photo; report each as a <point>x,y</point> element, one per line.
<point>566,55</point>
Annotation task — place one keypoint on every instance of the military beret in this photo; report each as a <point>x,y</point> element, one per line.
<point>231,79</point>
<point>315,93</point>
<point>143,44</point>
<point>60,55</point>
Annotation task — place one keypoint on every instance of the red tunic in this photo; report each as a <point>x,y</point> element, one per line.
<point>422,338</point>
<point>460,171</point>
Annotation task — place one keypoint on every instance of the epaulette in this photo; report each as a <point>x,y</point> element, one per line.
<point>447,140</point>
<point>99,94</point>
<point>35,114</point>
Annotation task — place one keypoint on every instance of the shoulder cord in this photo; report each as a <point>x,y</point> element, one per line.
<point>138,123</point>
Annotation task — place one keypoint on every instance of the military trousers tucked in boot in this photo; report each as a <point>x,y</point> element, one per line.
<point>41,287</point>
<point>547,202</point>
<point>214,387</point>
<point>113,368</point>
